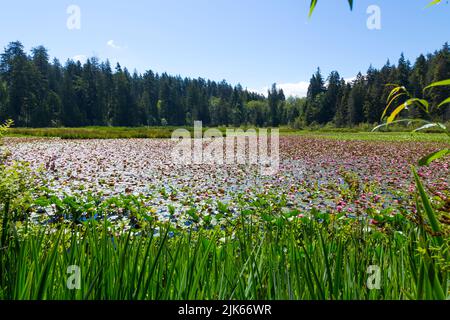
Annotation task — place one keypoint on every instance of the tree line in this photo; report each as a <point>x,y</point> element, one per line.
<point>364,99</point>
<point>35,92</point>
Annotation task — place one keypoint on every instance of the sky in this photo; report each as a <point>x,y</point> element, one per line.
<point>251,42</point>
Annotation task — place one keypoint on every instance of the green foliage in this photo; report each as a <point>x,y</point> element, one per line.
<point>434,2</point>
<point>314,3</point>
<point>95,132</point>
<point>434,156</point>
<point>360,132</point>
<point>351,2</point>
<point>37,93</point>
<point>277,256</point>
<point>433,274</point>
<point>4,127</point>
<point>362,100</point>
<point>16,184</point>
<point>428,108</point>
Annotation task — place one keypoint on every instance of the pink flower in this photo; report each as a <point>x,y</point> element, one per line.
<point>342,203</point>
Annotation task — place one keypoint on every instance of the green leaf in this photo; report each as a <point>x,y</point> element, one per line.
<point>430,125</point>
<point>314,3</point>
<point>394,92</point>
<point>427,206</point>
<point>434,2</point>
<point>426,161</point>
<point>444,102</point>
<point>438,84</point>
<point>350,2</point>
<point>389,104</point>
<point>312,7</point>
<point>410,121</point>
<point>394,114</point>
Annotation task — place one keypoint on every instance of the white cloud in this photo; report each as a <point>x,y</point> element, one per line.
<point>299,89</point>
<point>113,45</point>
<point>350,80</point>
<point>81,57</point>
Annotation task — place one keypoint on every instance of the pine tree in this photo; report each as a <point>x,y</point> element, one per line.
<point>328,110</point>
<point>37,92</point>
<point>71,115</point>
<point>356,101</point>
<point>151,88</point>
<point>125,107</point>
<point>440,71</point>
<point>16,71</point>
<point>316,86</point>
<point>274,104</point>
<point>341,118</point>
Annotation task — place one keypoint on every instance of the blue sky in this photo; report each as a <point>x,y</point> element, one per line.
<point>252,42</point>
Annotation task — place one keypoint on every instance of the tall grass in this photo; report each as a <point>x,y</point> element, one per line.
<point>303,259</point>
<point>94,132</point>
<point>166,132</point>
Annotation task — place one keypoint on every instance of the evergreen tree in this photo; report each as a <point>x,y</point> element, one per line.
<point>125,113</point>
<point>316,86</point>
<point>38,93</point>
<point>70,114</point>
<point>356,101</point>
<point>151,88</point>
<point>274,98</point>
<point>16,71</point>
<point>440,71</point>
<point>341,118</point>
<point>328,110</point>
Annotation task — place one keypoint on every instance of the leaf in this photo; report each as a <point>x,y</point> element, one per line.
<point>431,125</point>
<point>434,2</point>
<point>394,92</point>
<point>422,103</point>
<point>427,126</point>
<point>314,3</point>
<point>350,2</point>
<point>438,84</point>
<point>426,161</point>
<point>395,113</point>
<point>312,7</point>
<point>410,121</point>
<point>392,85</point>
<point>389,104</point>
<point>5,126</point>
<point>444,102</point>
<point>428,207</point>
<point>409,102</point>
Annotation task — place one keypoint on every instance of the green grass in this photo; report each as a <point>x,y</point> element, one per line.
<point>301,260</point>
<point>265,254</point>
<point>377,136</point>
<point>93,132</point>
<point>166,132</point>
